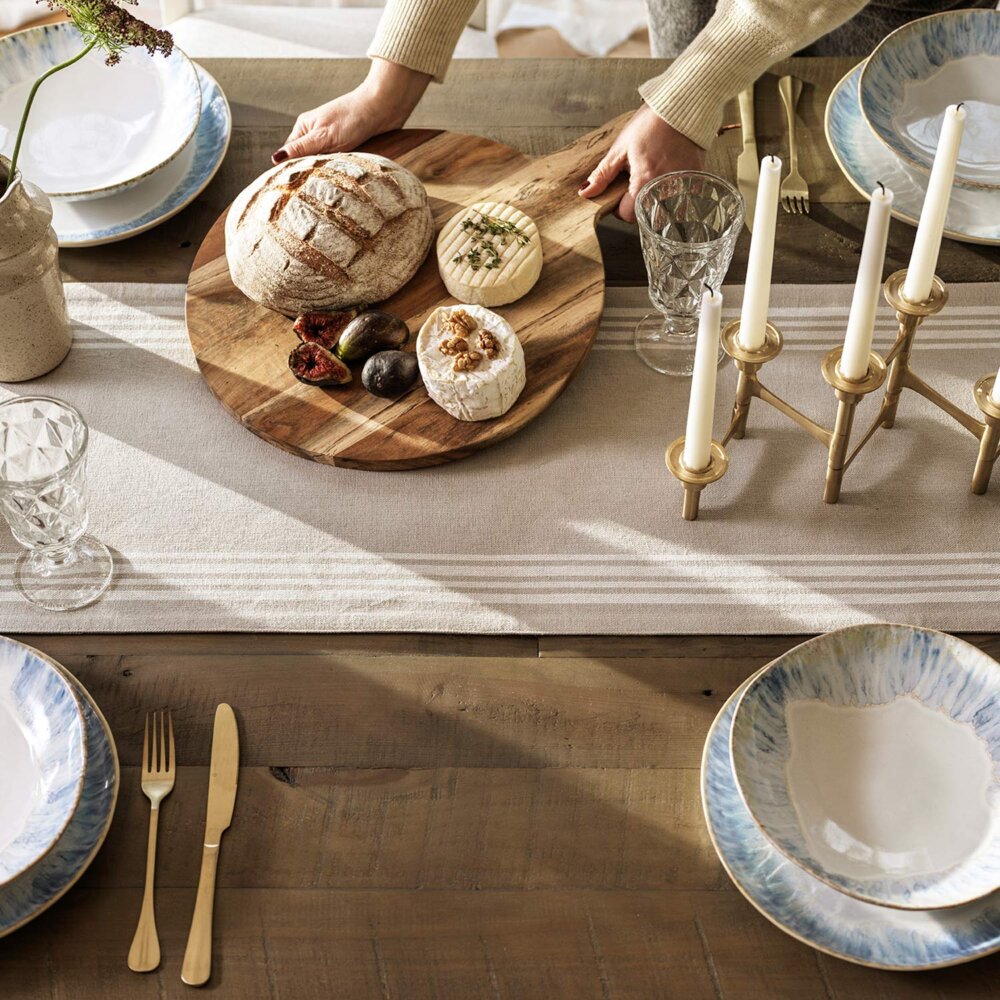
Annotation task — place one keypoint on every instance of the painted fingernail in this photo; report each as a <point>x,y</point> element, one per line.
<point>583,187</point>
<point>280,156</point>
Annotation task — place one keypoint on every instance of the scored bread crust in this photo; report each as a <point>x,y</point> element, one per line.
<point>325,232</point>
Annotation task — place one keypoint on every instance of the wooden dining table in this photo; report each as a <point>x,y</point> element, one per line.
<point>452,816</point>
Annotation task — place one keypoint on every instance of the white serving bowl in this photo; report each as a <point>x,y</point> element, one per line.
<point>870,756</point>
<point>921,68</point>
<point>94,130</point>
<point>42,757</point>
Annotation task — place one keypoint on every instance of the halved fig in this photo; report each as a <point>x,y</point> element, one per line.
<point>315,365</point>
<point>323,328</point>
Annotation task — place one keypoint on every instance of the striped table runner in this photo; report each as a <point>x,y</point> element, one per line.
<point>571,526</point>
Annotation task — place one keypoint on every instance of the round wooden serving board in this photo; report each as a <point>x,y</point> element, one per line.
<point>242,348</point>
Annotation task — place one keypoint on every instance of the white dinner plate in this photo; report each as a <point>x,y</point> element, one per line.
<point>973,215</point>
<point>107,220</point>
<point>812,911</point>
<point>94,129</point>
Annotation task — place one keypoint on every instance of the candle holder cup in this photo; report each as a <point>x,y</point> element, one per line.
<point>894,372</point>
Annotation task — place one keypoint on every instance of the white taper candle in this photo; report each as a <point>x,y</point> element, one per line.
<point>701,407</point>
<point>927,243</point>
<point>861,322</point>
<point>995,391</point>
<point>758,284</point>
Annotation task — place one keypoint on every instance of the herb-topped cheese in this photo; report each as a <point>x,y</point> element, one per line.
<point>471,361</point>
<point>489,253</point>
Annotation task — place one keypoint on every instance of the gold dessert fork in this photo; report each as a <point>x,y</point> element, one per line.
<point>158,772</point>
<point>794,191</point>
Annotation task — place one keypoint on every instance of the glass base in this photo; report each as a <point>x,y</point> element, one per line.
<point>75,580</point>
<point>667,343</point>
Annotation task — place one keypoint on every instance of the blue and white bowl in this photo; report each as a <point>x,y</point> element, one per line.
<point>42,757</point>
<point>921,68</point>
<point>24,898</point>
<point>94,130</point>
<point>813,912</point>
<point>870,756</point>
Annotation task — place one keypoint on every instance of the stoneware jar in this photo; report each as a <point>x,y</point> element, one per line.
<point>34,326</point>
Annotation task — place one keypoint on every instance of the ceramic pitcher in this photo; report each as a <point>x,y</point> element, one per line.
<point>34,327</point>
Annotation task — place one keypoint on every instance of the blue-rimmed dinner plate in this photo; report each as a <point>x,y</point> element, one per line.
<point>813,912</point>
<point>973,215</point>
<point>25,897</point>
<point>117,217</point>
<point>94,129</point>
<point>43,757</point>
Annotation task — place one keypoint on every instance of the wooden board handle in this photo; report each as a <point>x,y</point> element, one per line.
<point>581,156</point>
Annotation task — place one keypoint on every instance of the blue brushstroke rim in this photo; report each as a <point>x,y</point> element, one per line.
<point>780,891</point>
<point>848,136</point>
<point>979,676</point>
<point>35,891</point>
<point>67,756</point>
<point>211,145</point>
<point>939,38</point>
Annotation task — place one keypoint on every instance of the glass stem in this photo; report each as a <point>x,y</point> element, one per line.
<point>27,109</point>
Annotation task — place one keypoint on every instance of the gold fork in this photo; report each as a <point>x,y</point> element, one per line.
<point>794,191</point>
<point>158,772</point>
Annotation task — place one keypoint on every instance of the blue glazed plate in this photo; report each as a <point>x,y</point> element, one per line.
<point>813,912</point>
<point>42,757</point>
<point>94,129</point>
<point>973,216</point>
<point>27,896</point>
<point>922,67</point>
<point>107,220</point>
<point>870,756</point>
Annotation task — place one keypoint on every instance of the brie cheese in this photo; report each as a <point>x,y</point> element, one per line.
<point>490,387</point>
<point>487,267</point>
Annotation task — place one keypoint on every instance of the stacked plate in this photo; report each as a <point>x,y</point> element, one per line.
<point>117,149</point>
<point>58,782</point>
<point>883,118</point>
<point>852,792</point>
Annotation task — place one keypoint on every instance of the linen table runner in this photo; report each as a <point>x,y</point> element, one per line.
<point>571,526</point>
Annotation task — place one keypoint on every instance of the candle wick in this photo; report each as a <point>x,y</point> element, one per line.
<point>881,185</point>
<point>959,105</point>
<point>711,290</point>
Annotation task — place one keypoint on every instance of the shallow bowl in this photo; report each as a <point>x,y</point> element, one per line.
<point>42,757</point>
<point>921,68</point>
<point>870,756</point>
<point>94,130</point>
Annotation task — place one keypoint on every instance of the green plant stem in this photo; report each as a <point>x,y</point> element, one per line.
<point>27,108</point>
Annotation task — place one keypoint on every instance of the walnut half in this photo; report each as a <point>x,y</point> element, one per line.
<point>459,323</point>
<point>467,361</point>
<point>489,344</point>
<point>453,345</point>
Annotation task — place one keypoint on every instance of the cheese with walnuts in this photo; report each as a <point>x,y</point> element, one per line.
<point>471,361</point>
<point>489,253</point>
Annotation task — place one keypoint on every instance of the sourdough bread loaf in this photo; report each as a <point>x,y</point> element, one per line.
<point>325,232</point>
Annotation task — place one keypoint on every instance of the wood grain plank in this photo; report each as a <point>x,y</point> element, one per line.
<point>427,828</point>
<point>355,711</point>
<point>313,944</point>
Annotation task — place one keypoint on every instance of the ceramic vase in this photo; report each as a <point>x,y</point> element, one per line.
<point>35,334</point>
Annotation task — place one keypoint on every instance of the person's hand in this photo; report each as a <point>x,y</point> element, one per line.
<point>646,148</point>
<point>381,103</point>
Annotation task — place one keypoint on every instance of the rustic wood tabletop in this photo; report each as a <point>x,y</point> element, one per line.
<point>451,816</point>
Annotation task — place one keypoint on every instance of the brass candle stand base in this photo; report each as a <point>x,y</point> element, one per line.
<point>894,372</point>
<point>695,482</point>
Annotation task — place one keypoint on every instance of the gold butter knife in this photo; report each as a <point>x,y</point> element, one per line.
<point>748,162</point>
<point>221,799</point>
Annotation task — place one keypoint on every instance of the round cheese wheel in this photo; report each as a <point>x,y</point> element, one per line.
<point>489,388</point>
<point>483,260</point>
<point>325,232</point>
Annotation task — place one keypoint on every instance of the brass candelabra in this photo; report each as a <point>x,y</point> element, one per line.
<point>894,372</point>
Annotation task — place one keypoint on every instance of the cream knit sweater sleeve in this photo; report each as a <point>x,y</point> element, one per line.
<point>742,39</point>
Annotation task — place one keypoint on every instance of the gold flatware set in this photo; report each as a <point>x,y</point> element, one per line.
<point>794,192</point>
<point>159,771</point>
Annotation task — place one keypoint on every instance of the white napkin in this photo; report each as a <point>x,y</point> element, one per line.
<point>593,27</point>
